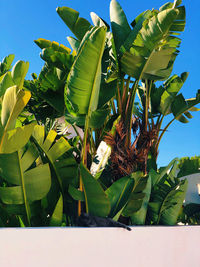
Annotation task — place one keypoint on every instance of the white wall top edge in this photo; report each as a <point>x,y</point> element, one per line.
<point>176,246</point>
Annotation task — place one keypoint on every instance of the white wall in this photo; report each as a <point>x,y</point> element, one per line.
<point>192,192</point>
<point>100,247</point>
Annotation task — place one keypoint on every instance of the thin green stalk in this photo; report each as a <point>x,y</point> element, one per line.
<point>130,112</point>
<point>83,154</point>
<point>147,102</point>
<point>125,95</point>
<point>119,103</point>
<point>146,108</point>
<point>158,120</point>
<point>164,130</point>
<point>83,158</point>
<point>27,208</point>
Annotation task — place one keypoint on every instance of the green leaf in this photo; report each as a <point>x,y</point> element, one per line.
<point>5,65</point>
<point>97,118</point>
<point>6,82</point>
<point>13,103</point>
<point>97,21</point>
<point>83,83</point>
<point>139,217</point>
<point>19,72</point>
<point>17,138</point>
<point>43,43</point>
<point>172,204</point>
<point>56,54</point>
<point>107,92</point>
<point>79,26</point>
<point>166,201</point>
<point>137,25</point>
<point>96,200</point>
<point>25,184</point>
<point>181,106</point>
<point>118,194</point>
<point>188,166</point>
<point>191,213</point>
<point>60,60</point>
<point>49,81</point>
<point>178,104</point>
<point>74,43</point>
<point>53,150</point>
<point>179,23</point>
<point>119,24</point>
<point>157,176</point>
<point>36,181</point>
<point>137,197</point>
<point>57,216</point>
<point>76,194</point>
<point>153,49</point>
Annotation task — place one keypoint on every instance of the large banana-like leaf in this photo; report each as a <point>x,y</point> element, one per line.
<point>118,194</point>
<point>172,86</point>
<point>17,138</point>
<point>49,80</point>
<point>15,77</point>
<point>167,196</point>
<point>60,60</point>
<point>181,107</point>
<point>119,24</point>
<point>5,83</point>
<point>54,54</point>
<point>96,201</point>
<point>79,26</point>
<point>74,43</point>
<point>138,198</point>
<point>98,22</point>
<point>139,217</point>
<point>5,65</point>
<point>150,52</point>
<point>43,43</point>
<point>26,183</point>
<point>57,216</point>
<point>179,23</point>
<point>19,72</point>
<point>166,202</point>
<point>157,176</point>
<point>83,83</point>
<point>13,103</point>
<point>63,168</point>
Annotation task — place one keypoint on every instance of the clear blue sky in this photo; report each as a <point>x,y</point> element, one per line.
<point>23,21</point>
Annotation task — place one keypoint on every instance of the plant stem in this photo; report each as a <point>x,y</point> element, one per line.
<point>147,101</point>
<point>83,157</point>
<point>119,103</point>
<point>27,208</point>
<point>130,112</point>
<point>164,130</point>
<point>125,94</point>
